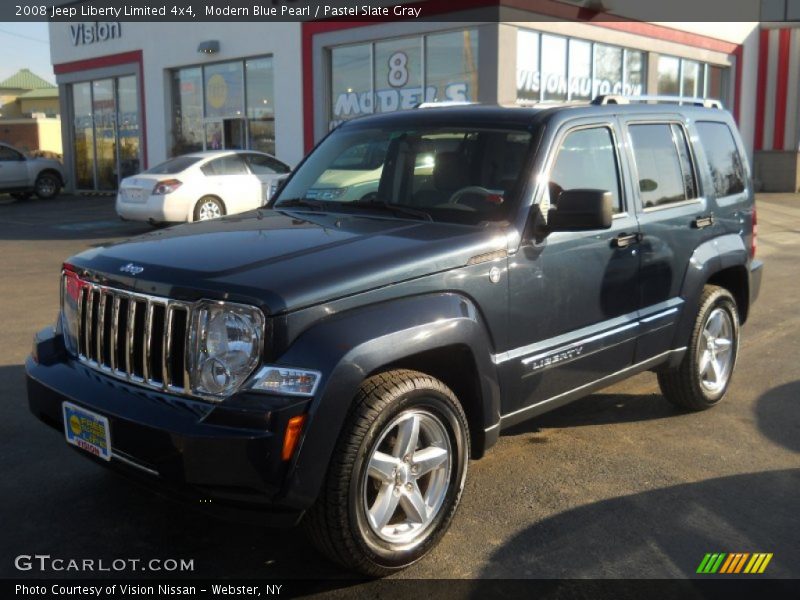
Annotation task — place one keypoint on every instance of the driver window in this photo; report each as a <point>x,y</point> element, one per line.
<point>586,160</point>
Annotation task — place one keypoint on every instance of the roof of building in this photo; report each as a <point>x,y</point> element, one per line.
<point>40,94</point>
<point>25,79</point>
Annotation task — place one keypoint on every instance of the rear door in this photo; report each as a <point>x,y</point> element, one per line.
<point>13,169</point>
<point>269,171</point>
<point>574,295</point>
<point>674,216</point>
<point>229,178</point>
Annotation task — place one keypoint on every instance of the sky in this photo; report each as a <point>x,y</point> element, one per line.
<point>25,45</point>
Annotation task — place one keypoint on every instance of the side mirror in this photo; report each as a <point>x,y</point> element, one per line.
<point>581,210</point>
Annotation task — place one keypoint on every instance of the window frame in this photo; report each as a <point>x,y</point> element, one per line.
<point>635,167</point>
<point>741,157</point>
<point>555,148</point>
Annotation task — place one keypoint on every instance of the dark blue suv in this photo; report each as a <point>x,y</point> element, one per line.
<point>337,357</point>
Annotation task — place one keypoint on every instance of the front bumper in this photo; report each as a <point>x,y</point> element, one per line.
<point>220,457</point>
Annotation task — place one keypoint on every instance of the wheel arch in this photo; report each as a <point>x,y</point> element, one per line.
<point>444,328</point>
<point>193,206</point>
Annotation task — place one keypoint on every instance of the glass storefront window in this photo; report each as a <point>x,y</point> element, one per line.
<point>607,70</point>
<point>714,82</point>
<point>128,126</point>
<point>187,109</point>
<point>668,74</point>
<point>224,105</point>
<point>351,69</point>
<point>633,81</point>
<point>83,135</point>
<point>557,68</point>
<point>691,79</point>
<point>580,70</point>
<point>528,77</point>
<point>104,111</point>
<point>260,104</point>
<point>451,66</point>
<point>224,89</point>
<point>106,132</point>
<point>554,67</point>
<point>398,74</point>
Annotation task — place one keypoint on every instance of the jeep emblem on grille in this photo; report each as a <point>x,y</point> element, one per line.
<point>132,269</point>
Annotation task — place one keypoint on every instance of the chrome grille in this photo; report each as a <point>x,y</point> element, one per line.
<point>134,336</point>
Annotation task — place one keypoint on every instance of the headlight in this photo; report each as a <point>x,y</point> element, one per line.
<point>70,315</point>
<point>225,346</point>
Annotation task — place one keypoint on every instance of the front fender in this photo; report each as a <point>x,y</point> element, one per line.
<point>347,348</point>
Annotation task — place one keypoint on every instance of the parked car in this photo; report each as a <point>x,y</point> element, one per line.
<point>22,175</point>
<point>338,363</point>
<point>200,186</point>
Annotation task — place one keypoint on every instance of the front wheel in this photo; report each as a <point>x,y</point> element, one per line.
<point>702,378</point>
<point>396,476</point>
<point>47,186</point>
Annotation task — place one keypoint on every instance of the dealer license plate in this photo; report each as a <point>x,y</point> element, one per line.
<point>87,430</point>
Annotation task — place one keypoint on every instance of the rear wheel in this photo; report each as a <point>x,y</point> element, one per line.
<point>208,207</point>
<point>702,378</point>
<point>396,476</point>
<point>47,185</point>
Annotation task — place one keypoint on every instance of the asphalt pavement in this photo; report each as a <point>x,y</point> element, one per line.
<point>617,485</point>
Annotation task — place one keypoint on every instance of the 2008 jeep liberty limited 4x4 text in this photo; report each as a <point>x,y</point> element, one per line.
<point>336,363</point>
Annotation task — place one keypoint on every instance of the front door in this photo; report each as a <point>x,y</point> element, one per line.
<point>225,134</point>
<point>13,169</point>
<point>574,295</point>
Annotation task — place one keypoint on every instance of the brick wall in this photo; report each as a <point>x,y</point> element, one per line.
<point>22,135</point>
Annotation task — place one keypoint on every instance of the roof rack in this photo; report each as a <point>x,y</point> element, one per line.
<point>616,99</point>
<point>444,103</point>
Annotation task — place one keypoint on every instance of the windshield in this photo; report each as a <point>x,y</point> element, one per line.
<point>173,165</point>
<point>465,175</point>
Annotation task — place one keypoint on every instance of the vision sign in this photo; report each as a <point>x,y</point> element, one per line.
<point>83,34</point>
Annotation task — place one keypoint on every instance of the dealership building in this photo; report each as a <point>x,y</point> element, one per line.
<point>134,94</point>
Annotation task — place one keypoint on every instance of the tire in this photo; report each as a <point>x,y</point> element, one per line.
<point>383,413</point>
<point>47,185</point>
<point>703,376</point>
<point>208,207</point>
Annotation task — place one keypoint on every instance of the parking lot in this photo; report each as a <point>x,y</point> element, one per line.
<point>619,484</point>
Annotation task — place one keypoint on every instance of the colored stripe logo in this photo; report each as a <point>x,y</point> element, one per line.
<point>734,563</point>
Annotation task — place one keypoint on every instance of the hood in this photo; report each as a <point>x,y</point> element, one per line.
<point>285,260</point>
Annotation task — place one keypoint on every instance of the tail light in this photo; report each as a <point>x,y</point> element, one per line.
<point>754,237</point>
<point>167,186</point>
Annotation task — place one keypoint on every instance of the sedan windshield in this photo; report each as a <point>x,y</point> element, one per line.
<point>464,175</point>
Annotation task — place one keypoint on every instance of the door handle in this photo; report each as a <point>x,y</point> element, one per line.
<point>703,222</point>
<point>623,240</point>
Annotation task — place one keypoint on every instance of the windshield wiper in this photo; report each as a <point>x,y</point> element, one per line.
<point>396,208</point>
<point>300,202</point>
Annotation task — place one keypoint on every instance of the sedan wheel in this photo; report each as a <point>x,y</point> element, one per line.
<point>208,208</point>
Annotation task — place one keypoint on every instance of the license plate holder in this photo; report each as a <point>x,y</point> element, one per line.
<point>87,430</point>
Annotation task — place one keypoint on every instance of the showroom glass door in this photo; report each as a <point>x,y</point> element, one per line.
<point>106,133</point>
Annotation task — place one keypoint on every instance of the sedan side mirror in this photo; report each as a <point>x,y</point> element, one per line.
<point>581,210</point>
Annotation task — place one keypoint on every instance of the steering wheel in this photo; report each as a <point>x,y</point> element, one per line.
<point>472,189</point>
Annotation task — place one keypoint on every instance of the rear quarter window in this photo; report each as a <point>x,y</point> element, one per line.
<point>724,161</point>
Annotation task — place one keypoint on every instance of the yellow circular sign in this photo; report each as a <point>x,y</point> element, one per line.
<point>75,424</point>
<point>217,91</point>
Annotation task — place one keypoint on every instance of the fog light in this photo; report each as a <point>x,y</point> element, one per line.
<point>286,381</point>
